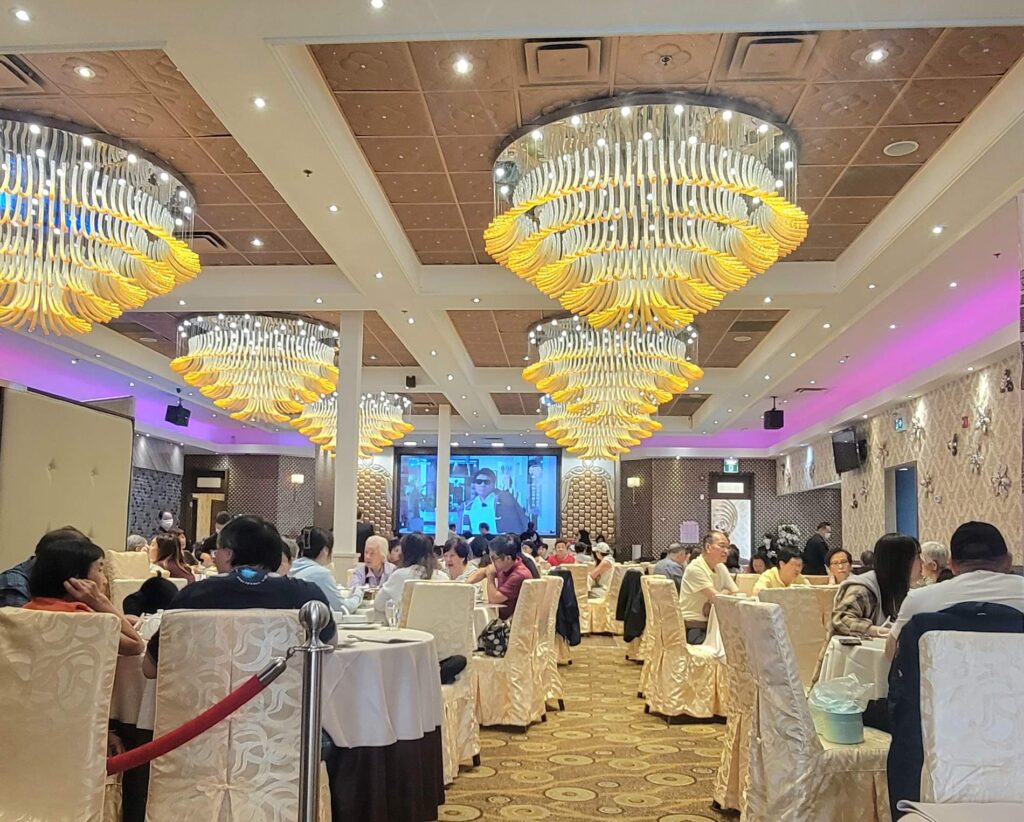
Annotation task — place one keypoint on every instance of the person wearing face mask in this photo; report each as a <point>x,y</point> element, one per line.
<point>166,520</point>
<point>816,550</point>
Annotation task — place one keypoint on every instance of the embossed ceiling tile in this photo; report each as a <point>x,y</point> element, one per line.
<point>483,258</point>
<point>842,55</point>
<point>282,216</point>
<point>472,112</point>
<point>303,241</point>
<point>473,322</point>
<point>830,146</point>
<point>808,204</point>
<point>216,189</point>
<point>536,102</point>
<point>970,52</point>
<point>416,188</point>
<point>772,315</point>
<point>112,76</point>
<point>491,62</point>
<point>844,104</point>
<point>430,242</point>
<point>939,101</point>
<point>731,354</point>
<point>181,153</point>
<point>850,210</point>
<point>429,216</point>
<point>227,217</point>
<point>209,258</point>
<point>815,181</point>
<point>807,254</point>
<point>228,154</point>
<point>776,100</point>
<point>929,139</point>
<point>470,153</point>
<point>873,181</point>
<point>488,357</point>
<point>318,258</point>
<point>366,66</point>
<point>241,241</point>
<point>257,188</point>
<point>402,154</point>
<point>447,257</point>
<point>476,187</point>
<point>53,106</point>
<point>275,258</point>
<point>833,235</point>
<point>132,115</point>
<point>157,70</point>
<point>477,215</point>
<point>685,405</point>
<point>384,113</point>
<point>508,403</point>
<point>189,109</point>
<point>671,59</point>
<point>476,239</point>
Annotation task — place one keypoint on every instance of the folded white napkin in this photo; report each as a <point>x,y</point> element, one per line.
<point>966,811</point>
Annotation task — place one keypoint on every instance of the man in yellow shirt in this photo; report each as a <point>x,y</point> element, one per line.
<point>787,573</point>
<point>704,578</point>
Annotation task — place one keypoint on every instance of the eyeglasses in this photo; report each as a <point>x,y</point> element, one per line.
<point>482,481</point>
<point>840,564</point>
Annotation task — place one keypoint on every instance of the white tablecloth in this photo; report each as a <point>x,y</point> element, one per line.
<point>867,661</point>
<point>133,700</point>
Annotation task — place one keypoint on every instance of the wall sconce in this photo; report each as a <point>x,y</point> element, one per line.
<point>297,480</point>
<point>633,483</point>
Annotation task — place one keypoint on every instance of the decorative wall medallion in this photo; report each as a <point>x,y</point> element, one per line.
<point>787,477</point>
<point>926,483</point>
<point>954,445</point>
<point>883,451</point>
<point>976,461</point>
<point>853,501</point>
<point>1001,482</point>
<point>917,429</point>
<point>1006,382</point>
<point>984,421</point>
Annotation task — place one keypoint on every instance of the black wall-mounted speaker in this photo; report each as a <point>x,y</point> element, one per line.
<point>410,381</point>
<point>177,415</point>
<point>773,419</point>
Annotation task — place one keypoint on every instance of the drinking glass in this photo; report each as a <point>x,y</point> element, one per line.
<point>391,615</point>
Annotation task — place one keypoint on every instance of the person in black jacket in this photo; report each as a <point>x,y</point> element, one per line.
<point>364,530</point>
<point>816,550</point>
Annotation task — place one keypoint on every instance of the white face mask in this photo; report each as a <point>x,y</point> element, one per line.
<point>166,522</point>
<point>828,534</point>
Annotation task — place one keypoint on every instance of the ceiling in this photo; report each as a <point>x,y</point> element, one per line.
<point>403,149</point>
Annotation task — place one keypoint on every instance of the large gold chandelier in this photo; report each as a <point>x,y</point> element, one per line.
<point>87,229</point>
<point>646,210</point>
<point>381,422</point>
<point>605,386</point>
<point>259,368</point>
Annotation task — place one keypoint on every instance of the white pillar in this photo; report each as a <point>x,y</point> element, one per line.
<point>444,453</point>
<point>346,459</point>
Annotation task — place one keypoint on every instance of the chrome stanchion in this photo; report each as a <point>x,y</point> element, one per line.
<point>314,617</point>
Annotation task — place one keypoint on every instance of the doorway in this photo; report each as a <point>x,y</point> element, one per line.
<point>901,499</point>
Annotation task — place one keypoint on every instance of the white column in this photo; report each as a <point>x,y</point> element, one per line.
<point>444,452</point>
<point>346,460</point>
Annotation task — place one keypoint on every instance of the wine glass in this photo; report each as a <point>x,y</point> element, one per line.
<point>391,614</point>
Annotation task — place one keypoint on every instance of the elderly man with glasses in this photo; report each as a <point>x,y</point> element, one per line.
<point>498,510</point>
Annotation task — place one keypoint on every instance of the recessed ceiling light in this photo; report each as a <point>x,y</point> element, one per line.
<point>411,321</point>
<point>526,358</point>
<point>901,148</point>
<point>476,299</point>
<point>462,65</point>
<point>877,55</point>
<point>863,416</point>
<point>319,300</point>
<point>508,387</point>
<point>937,229</point>
<point>379,275</point>
<point>181,302</point>
<point>373,356</point>
<point>812,382</point>
<point>792,353</point>
<point>872,286</point>
<point>74,361</point>
<point>22,15</point>
<point>746,395</point>
<point>696,388</point>
<point>728,410</point>
<point>451,377</point>
<point>409,442</point>
<point>767,376</point>
<point>767,300</point>
<point>970,368</point>
<point>85,72</point>
<point>131,385</point>
<point>98,356</point>
<point>892,326</point>
<point>433,352</point>
<point>715,422</point>
<point>377,4</point>
<point>953,284</point>
<point>332,208</point>
<point>826,326</point>
<point>256,242</point>
<point>463,396</point>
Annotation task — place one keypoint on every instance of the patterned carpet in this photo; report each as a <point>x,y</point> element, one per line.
<point>602,758</point>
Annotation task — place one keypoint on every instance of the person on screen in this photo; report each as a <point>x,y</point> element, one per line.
<point>530,534</point>
<point>498,510</point>
<point>535,488</point>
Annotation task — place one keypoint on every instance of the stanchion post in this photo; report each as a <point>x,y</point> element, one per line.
<point>314,617</point>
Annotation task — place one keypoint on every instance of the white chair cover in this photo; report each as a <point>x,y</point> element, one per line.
<point>734,769</point>
<point>795,776</point>
<point>580,585</point>
<point>972,729</point>
<point>646,639</point>
<point>245,767</point>
<point>126,565</point>
<point>122,588</point>
<point>682,678</point>
<point>801,611</point>
<point>56,676</point>
<point>550,680</point>
<point>602,611</point>
<point>745,582</point>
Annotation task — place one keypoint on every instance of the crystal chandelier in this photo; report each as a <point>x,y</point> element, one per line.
<point>604,386</point>
<point>649,211</point>
<point>87,229</point>
<point>258,367</point>
<point>381,422</point>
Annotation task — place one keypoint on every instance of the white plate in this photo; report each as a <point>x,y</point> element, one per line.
<point>358,626</point>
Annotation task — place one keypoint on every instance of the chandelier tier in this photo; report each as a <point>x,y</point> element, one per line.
<point>602,439</point>
<point>259,368</point>
<point>88,229</point>
<point>381,422</point>
<point>645,212</point>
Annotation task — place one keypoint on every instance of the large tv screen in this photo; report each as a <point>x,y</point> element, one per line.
<point>504,490</point>
<point>846,451</point>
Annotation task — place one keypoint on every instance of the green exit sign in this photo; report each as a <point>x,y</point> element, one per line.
<point>730,465</point>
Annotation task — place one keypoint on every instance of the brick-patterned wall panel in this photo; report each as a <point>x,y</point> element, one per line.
<point>958,491</point>
<point>373,496</point>
<point>635,510</point>
<point>295,502</point>
<point>152,492</point>
<point>803,469</point>
<point>587,502</point>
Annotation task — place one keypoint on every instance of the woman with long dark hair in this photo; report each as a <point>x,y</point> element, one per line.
<point>418,562</point>
<point>866,602</point>
<point>313,563</point>
<point>171,557</point>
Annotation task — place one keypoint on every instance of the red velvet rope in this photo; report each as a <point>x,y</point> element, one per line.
<point>190,730</point>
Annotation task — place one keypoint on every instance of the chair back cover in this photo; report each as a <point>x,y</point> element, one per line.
<point>341,565</point>
<point>56,677</point>
<point>121,588</point>
<point>444,610</point>
<point>550,681</point>
<point>731,778</point>
<point>246,766</point>
<point>126,565</point>
<point>817,579</point>
<point>745,582</point>
<point>647,640</point>
<point>579,574</point>
<point>826,603</point>
<point>664,619</point>
<point>971,725</point>
<point>802,615</point>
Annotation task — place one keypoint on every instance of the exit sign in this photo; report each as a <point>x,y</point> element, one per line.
<point>730,465</point>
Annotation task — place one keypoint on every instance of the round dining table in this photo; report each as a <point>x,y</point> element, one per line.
<point>866,661</point>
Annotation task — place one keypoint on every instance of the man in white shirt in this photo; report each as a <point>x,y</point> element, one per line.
<point>982,573</point>
<point>705,578</point>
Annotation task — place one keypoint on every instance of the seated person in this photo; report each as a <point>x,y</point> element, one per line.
<point>934,563</point>
<point>189,556</point>
<point>289,550</point>
<point>395,551</point>
<point>479,546</point>
<point>154,596</point>
<point>313,564</point>
<point>168,555</point>
<point>68,576</point>
<point>867,562</point>
<point>248,555</point>
<point>982,572</point>
<point>14,581</point>
<point>456,559</point>
<point>758,562</point>
<point>209,545</point>
<point>732,562</point>
<point>705,578</point>
<point>839,562</point>
<point>601,573</point>
<point>135,542</point>
<point>375,568</point>
<point>673,564</point>
<point>505,575</point>
<point>561,554</point>
<point>785,574</point>
<point>418,562</point>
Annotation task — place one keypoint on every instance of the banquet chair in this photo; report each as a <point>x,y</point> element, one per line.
<point>246,766</point>
<point>795,775</point>
<point>125,565</point>
<point>507,689</point>
<point>55,685</point>
<point>445,611</point>
<point>802,615</point>
<point>745,582</point>
<point>580,582</point>
<point>733,770</point>
<point>826,595</point>
<point>817,579</point>
<point>683,678</point>
<point>120,589</point>
<point>563,651</point>
<point>549,679</point>
<point>625,600</point>
<point>602,610</point>
<point>341,564</point>
<point>646,639</point>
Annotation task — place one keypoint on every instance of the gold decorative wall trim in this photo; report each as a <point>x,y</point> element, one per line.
<point>374,494</point>
<point>588,501</point>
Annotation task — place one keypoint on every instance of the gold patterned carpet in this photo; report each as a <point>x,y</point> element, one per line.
<point>602,758</point>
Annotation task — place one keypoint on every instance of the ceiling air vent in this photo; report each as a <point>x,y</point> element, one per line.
<point>556,62</point>
<point>206,241</point>
<point>808,389</point>
<point>768,57</point>
<point>17,76</point>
